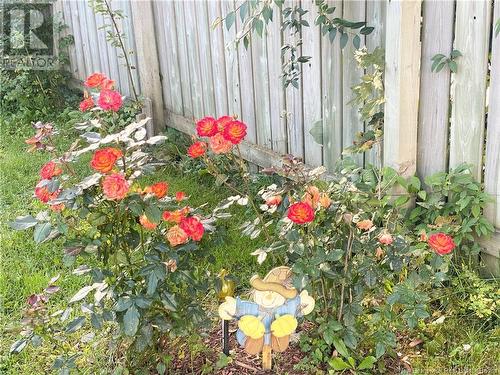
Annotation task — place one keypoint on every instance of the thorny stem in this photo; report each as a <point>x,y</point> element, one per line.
<point>346,263</point>
<point>122,47</point>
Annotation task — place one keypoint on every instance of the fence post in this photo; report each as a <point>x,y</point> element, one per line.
<point>402,80</point>
<point>147,59</point>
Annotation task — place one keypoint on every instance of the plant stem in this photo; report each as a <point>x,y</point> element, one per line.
<point>346,262</point>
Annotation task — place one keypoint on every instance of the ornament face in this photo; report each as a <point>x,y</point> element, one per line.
<point>266,322</point>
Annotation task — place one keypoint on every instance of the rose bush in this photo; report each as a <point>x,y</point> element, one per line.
<point>146,244</point>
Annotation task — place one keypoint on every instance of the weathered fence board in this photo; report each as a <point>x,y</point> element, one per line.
<point>437,37</point>
<point>468,89</point>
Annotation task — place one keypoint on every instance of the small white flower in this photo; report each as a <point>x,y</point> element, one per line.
<point>243,201</point>
<point>466,347</point>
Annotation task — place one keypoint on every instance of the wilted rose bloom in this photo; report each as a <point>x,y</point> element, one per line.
<point>86,104</point>
<point>300,213</point>
<point>379,253</point>
<point>159,189</point>
<point>385,238</point>
<point>110,100</point>
<point>104,159</point>
<point>176,236</point>
<point>175,216</point>
<point>206,127</point>
<point>223,121</point>
<point>180,196</point>
<point>107,84</point>
<point>219,145</point>
<point>364,224</point>
<point>441,243</point>
<point>423,235</point>
<point>57,207</point>
<point>171,265</point>
<point>311,196</point>
<point>197,149</point>
<point>275,200</point>
<point>143,219</point>
<point>234,132</point>
<point>193,228</point>
<point>95,80</point>
<point>49,170</point>
<point>115,186</point>
<point>44,195</point>
<point>324,200</point>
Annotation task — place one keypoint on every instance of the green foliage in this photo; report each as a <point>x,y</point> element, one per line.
<point>439,61</point>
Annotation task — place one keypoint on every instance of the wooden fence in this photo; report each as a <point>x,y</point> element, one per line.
<point>433,121</point>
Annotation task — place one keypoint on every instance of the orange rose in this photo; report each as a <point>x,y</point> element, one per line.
<point>95,80</point>
<point>385,238</point>
<point>107,84</point>
<point>115,186</point>
<point>104,159</point>
<point>180,196</point>
<point>324,200</point>
<point>365,224</point>
<point>57,207</point>
<point>311,196</point>
<point>206,127</point>
<point>275,200</point>
<point>197,149</point>
<point>159,189</point>
<point>441,243</point>
<point>300,213</point>
<point>176,236</point>
<point>86,104</point>
<point>50,170</point>
<point>219,145</point>
<point>110,100</point>
<point>223,121</point>
<point>143,219</point>
<point>44,195</point>
<point>175,216</point>
<point>234,132</point>
<point>193,228</point>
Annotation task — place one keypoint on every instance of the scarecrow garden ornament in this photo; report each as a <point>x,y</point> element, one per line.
<point>266,323</point>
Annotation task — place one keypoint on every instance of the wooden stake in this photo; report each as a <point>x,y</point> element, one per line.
<point>266,357</point>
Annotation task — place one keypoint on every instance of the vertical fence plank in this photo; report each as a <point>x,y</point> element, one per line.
<point>246,85</point>
<point>205,54</point>
<point>331,72</point>
<point>97,61</point>
<point>125,87</point>
<point>218,60</point>
<point>402,85</point>
<point>101,41</point>
<point>433,122</point>
<point>468,90</point>
<point>375,17</point>
<point>231,58</point>
<point>293,97</point>
<point>75,20</point>
<point>352,11</point>
<point>164,57</point>
<point>311,85</point>
<point>66,13</point>
<point>261,90</point>
<point>84,36</point>
<point>183,58</point>
<point>277,93</point>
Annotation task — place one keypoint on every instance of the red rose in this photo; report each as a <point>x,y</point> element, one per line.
<point>180,196</point>
<point>86,104</point>
<point>95,80</point>
<point>159,189</point>
<point>206,127</point>
<point>50,170</point>
<point>110,100</point>
<point>104,159</point>
<point>441,243</point>
<point>143,219</point>
<point>44,195</point>
<point>193,228</point>
<point>219,145</point>
<point>115,186</point>
<point>197,149</point>
<point>176,236</point>
<point>300,213</point>
<point>385,238</point>
<point>223,121</point>
<point>234,132</point>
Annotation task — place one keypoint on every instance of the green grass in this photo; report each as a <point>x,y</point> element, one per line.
<point>25,267</point>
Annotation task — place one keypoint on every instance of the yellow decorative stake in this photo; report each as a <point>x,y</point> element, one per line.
<point>266,323</point>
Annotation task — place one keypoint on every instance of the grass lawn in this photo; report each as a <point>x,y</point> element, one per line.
<point>25,268</point>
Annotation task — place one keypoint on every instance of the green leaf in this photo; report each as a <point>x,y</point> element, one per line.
<point>367,363</point>
<point>169,301</point>
<point>356,41</point>
<point>153,213</point>
<point>366,30</point>
<point>379,349</point>
<point>18,346</point>
<point>338,364</point>
<point>317,132</point>
<point>343,40</point>
<point>243,10</point>
<point>230,18</point>
<point>42,231</point>
<point>23,222</point>
<point>453,66</point>
<point>456,53</point>
<point>75,324</point>
<point>401,200</point>
<point>332,34</point>
<point>422,194</point>
<point>340,346</point>
<point>267,14</point>
<point>131,321</point>
<point>258,25</point>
